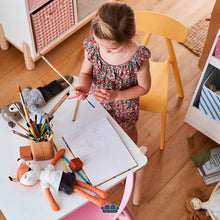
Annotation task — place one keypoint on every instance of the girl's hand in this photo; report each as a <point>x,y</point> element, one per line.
<point>105,96</point>
<point>81,92</point>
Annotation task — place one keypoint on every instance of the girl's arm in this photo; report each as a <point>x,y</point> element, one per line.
<point>85,79</point>
<point>144,83</point>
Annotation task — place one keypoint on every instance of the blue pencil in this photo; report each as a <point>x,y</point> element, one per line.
<point>41,118</point>
<point>84,179</point>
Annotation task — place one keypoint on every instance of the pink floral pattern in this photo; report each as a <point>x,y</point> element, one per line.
<point>117,77</point>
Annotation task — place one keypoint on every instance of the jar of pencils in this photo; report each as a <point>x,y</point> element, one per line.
<point>42,147</point>
<point>43,150</point>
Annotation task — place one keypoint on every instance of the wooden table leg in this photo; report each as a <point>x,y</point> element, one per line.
<point>138,181</point>
<point>191,132</point>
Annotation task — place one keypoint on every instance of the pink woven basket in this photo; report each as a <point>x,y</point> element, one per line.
<point>50,21</point>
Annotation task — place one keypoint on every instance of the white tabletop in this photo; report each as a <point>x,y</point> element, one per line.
<point>31,203</point>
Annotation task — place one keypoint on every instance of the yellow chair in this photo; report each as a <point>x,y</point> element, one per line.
<point>170,29</point>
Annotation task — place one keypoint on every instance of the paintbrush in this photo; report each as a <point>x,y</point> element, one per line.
<point>23,104</point>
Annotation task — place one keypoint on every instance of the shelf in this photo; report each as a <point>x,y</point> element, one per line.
<point>215,62</point>
<point>207,125</point>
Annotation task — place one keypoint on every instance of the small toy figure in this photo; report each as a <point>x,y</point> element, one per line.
<point>34,99</point>
<point>30,173</point>
<point>205,210</point>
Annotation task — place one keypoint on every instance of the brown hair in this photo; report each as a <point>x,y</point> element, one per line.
<point>114,21</point>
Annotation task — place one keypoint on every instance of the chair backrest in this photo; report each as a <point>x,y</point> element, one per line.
<point>127,193</point>
<point>160,24</point>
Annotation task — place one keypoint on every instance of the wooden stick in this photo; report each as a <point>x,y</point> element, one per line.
<point>62,76</point>
<point>59,103</point>
<point>56,70</point>
<point>76,110</point>
<point>24,105</point>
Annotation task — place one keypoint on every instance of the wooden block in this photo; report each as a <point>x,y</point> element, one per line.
<point>25,153</point>
<point>75,164</point>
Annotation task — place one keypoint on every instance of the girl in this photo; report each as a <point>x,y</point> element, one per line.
<point>115,66</point>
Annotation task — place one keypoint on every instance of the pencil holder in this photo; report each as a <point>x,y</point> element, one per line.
<point>42,150</point>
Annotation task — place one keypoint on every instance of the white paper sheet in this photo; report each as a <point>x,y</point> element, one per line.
<point>101,150</point>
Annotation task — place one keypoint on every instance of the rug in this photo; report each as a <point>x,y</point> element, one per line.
<point>197,36</point>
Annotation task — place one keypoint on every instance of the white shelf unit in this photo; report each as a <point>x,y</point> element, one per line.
<point>17,29</point>
<point>196,118</point>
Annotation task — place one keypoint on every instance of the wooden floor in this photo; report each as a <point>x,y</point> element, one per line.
<point>169,174</point>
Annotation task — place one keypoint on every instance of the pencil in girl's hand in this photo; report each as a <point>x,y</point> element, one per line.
<point>24,105</point>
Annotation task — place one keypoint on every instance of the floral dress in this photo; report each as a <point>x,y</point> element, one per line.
<point>117,77</point>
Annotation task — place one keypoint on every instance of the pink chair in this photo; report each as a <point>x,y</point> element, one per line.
<point>92,212</point>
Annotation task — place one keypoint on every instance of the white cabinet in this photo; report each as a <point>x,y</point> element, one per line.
<point>195,117</point>
<point>19,20</point>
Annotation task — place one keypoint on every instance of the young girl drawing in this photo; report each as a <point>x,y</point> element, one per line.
<point>115,66</point>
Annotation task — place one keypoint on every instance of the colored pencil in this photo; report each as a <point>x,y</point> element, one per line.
<point>76,96</point>
<point>62,161</point>
<point>84,179</point>
<point>35,119</point>
<point>59,103</point>
<point>39,126</point>
<point>33,127</point>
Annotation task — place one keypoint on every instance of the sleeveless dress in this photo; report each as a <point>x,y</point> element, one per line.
<point>117,77</point>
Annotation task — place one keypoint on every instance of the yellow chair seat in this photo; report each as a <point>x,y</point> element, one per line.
<point>154,100</point>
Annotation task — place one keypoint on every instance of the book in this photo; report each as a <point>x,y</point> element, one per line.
<point>101,150</point>
<point>208,165</point>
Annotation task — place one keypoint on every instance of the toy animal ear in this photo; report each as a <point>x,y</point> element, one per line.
<point>11,124</point>
<point>13,179</point>
<point>20,161</point>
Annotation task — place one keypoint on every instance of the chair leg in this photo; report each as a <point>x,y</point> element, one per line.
<point>163,130</point>
<point>173,61</point>
<point>3,42</point>
<point>177,79</point>
<point>138,181</point>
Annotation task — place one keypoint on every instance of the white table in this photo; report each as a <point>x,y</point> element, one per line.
<point>31,203</point>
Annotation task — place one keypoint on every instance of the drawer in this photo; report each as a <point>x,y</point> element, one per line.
<point>50,21</point>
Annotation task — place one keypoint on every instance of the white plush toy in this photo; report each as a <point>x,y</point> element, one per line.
<point>212,206</point>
